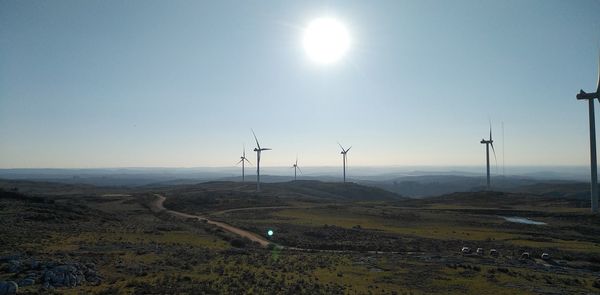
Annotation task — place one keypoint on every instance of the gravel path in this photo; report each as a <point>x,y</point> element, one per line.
<point>158,206</point>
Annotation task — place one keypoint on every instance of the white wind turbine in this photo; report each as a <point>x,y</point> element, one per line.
<point>296,167</point>
<point>488,143</point>
<point>258,150</point>
<point>243,159</point>
<point>344,152</point>
<point>590,97</point>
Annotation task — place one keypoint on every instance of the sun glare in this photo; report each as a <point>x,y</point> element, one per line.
<point>326,40</point>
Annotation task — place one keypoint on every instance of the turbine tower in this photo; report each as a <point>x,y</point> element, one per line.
<point>296,167</point>
<point>594,173</point>
<point>258,150</point>
<point>243,159</point>
<point>487,154</point>
<point>344,152</point>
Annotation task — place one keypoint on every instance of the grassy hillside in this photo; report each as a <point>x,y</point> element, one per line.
<point>570,190</point>
<point>335,190</point>
<point>113,243</point>
<point>506,200</point>
<point>223,195</point>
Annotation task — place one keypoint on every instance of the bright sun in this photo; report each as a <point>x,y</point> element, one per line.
<point>326,40</point>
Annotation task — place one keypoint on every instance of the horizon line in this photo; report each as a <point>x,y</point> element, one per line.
<point>286,166</point>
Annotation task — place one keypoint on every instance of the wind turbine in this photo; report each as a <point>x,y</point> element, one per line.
<point>243,159</point>
<point>296,167</point>
<point>594,173</point>
<point>258,150</point>
<point>344,152</point>
<point>487,154</point>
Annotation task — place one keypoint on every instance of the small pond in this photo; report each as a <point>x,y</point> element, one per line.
<point>522,220</point>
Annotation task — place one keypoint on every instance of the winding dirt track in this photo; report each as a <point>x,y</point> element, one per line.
<point>158,206</point>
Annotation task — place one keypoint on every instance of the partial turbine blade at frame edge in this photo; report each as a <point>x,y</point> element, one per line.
<point>598,85</point>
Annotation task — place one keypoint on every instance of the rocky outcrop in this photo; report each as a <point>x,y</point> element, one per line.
<point>63,276</point>
<point>70,275</point>
<point>49,274</point>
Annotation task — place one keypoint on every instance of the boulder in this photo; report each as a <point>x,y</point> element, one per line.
<point>69,275</point>
<point>8,288</point>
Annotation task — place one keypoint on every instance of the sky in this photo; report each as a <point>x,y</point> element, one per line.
<point>91,84</point>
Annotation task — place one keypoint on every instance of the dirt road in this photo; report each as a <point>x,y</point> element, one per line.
<point>157,206</point>
<point>261,208</point>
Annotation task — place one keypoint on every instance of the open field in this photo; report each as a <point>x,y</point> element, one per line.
<point>328,239</point>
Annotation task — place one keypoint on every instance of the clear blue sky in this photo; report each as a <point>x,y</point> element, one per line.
<point>180,83</point>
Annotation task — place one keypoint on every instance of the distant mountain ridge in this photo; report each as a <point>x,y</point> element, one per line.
<point>410,183</point>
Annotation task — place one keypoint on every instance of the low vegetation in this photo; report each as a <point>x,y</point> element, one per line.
<point>328,239</point>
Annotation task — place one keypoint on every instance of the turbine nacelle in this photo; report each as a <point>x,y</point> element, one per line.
<point>344,151</point>
<point>584,95</point>
<point>243,157</point>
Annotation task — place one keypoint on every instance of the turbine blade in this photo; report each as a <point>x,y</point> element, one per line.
<point>490,130</point>
<point>343,150</point>
<point>598,85</point>
<point>257,144</point>
<point>296,160</point>
<point>239,162</point>
<point>248,161</point>
<point>265,149</point>
<point>299,169</point>
<point>495,159</point>
<point>348,149</point>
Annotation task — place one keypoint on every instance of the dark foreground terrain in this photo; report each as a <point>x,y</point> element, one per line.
<point>328,238</point>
